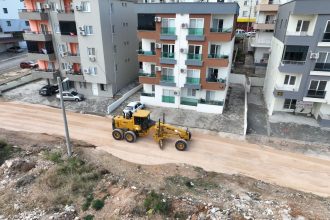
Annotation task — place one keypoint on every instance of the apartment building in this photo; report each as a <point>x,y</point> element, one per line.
<point>247,13</point>
<point>185,55</point>
<point>11,27</point>
<point>91,43</point>
<point>298,73</point>
<point>264,26</point>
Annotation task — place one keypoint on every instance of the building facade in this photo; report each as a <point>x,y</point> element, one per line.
<point>247,14</point>
<point>264,26</point>
<point>11,27</point>
<point>92,43</point>
<point>185,54</point>
<point>298,72</point>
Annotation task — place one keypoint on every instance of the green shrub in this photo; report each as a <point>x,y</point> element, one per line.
<point>89,217</point>
<point>56,157</point>
<point>6,151</point>
<point>3,144</point>
<point>158,203</point>
<point>88,201</point>
<point>98,204</point>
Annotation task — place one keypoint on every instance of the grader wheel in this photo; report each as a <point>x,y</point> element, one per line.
<point>161,144</point>
<point>117,134</point>
<point>130,136</point>
<point>181,145</point>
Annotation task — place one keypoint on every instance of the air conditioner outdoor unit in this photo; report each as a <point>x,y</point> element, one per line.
<point>86,70</point>
<point>158,45</point>
<point>82,33</point>
<point>92,58</point>
<point>158,68</point>
<point>64,54</point>
<point>46,6</point>
<point>177,93</point>
<point>158,19</point>
<point>183,70</point>
<point>314,56</point>
<point>82,28</point>
<point>184,25</point>
<point>78,8</point>
<point>183,50</point>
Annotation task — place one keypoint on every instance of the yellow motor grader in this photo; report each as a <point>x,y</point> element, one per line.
<point>140,125</point>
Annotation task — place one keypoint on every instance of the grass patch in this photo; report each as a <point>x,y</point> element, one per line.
<point>155,202</point>
<point>88,202</point>
<point>98,204</point>
<point>89,217</point>
<point>6,151</point>
<point>55,156</point>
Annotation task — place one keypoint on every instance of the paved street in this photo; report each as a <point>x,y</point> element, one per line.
<point>294,170</point>
<point>11,61</point>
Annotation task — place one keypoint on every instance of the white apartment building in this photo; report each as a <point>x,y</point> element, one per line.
<point>298,72</point>
<point>185,53</point>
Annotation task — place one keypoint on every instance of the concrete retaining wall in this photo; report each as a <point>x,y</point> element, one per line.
<point>17,82</point>
<point>117,103</point>
<point>257,81</point>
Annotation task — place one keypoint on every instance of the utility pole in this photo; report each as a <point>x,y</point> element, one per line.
<point>248,26</point>
<point>67,137</point>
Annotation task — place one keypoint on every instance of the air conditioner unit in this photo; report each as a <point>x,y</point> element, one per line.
<point>78,8</point>
<point>177,93</point>
<point>82,28</point>
<point>82,33</point>
<point>314,56</point>
<point>64,54</point>
<point>158,45</point>
<point>183,50</point>
<point>183,70</point>
<point>92,58</point>
<point>46,6</point>
<point>86,70</point>
<point>158,19</point>
<point>158,68</point>
<point>184,25</point>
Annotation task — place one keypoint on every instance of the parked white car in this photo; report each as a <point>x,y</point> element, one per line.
<point>250,34</point>
<point>71,96</point>
<point>133,107</point>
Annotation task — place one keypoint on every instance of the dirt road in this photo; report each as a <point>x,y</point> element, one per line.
<point>209,152</point>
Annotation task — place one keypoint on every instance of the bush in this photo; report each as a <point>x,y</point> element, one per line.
<point>158,203</point>
<point>56,157</point>
<point>88,201</point>
<point>6,151</point>
<point>3,144</point>
<point>98,204</point>
<point>89,217</point>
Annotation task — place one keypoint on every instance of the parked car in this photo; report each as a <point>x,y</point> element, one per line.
<point>133,107</point>
<point>71,96</point>
<point>48,90</point>
<point>15,49</point>
<point>28,65</point>
<point>250,34</point>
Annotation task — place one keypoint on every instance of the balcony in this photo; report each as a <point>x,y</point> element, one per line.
<point>146,94</point>
<point>167,58</point>
<point>194,59</point>
<point>220,34</point>
<point>292,66</point>
<point>267,7</point>
<point>326,37</point>
<point>168,99</point>
<point>210,102</point>
<point>148,78</point>
<point>38,36</point>
<point>322,67</point>
<point>192,83</point>
<point>146,53</point>
<point>188,101</point>
<point>263,43</point>
<point>36,55</point>
<point>167,81</point>
<point>217,60</point>
<point>286,92</point>
<point>75,76</point>
<point>168,33</point>
<point>316,94</point>
<point>65,15</point>
<point>214,84</point>
<point>264,26</point>
<point>33,14</point>
<point>71,57</point>
<point>45,73</point>
<point>196,34</point>
<point>69,37</point>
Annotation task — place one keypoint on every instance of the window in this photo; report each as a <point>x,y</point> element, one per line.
<point>196,23</point>
<point>103,87</point>
<point>168,74</point>
<point>114,48</point>
<point>85,6</point>
<point>323,62</point>
<point>289,80</point>
<point>89,30</point>
<point>217,25</point>
<point>245,2</point>
<point>168,26</point>
<point>317,89</point>
<point>111,7</point>
<point>91,51</point>
<point>168,50</point>
<point>54,6</point>
<point>245,13</point>
<point>62,48</point>
<point>195,52</point>
<point>295,54</point>
<point>290,104</point>
<point>212,75</point>
<point>168,96</point>
<point>116,67</point>
<point>193,73</point>
<point>113,28</point>
<point>302,26</point>
<point>326,36</point>
<point>153,88</point>
<point>5,10</point>
<point>191,92</point>
<point>210,96</point>
<point>8,23</point>
<point>215,51</point>
<point>92,70</point>
<point>27,23</point>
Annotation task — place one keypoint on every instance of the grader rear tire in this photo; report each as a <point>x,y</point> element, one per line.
<point>130,136</point>
<point>118,134</point>
<point>161,144</point>
<point>181,145</point>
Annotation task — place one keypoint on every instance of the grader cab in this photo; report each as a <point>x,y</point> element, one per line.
<point>140,125</point>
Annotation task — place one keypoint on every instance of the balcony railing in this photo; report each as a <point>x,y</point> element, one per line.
<point>168,30</point>
<point>31,10</point>
<point>211,79</point>
<point>210,102</point>
<point>168,99</point>
<point>147,74</point>
<point>295,62</point>
<point>326,37</point>
<point>188,101</point>
<point>73,33</point>
<point>38,32</point>
<point>218,56</point>
<point>147,94</point>
<point>167,55</point>
<point>45,70</point>
<point>192,56</point>
<point>194,81</point>
<point>196,31</point>
<point>316,94</point>
<point>146,53</point>
<point>322,67</point>
<point>166,78</point>
<point>221,30</point>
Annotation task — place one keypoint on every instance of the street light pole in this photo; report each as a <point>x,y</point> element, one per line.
<point>67,137</point>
